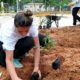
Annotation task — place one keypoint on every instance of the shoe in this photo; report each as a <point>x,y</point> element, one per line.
<point>17,63</point>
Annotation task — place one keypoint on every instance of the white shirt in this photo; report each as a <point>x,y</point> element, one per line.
<point>77,3</point>
<point>9,35</point>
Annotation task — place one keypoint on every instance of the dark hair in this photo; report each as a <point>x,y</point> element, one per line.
<point>23,19</point>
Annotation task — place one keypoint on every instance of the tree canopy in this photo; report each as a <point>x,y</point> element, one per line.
<point>47,2</point>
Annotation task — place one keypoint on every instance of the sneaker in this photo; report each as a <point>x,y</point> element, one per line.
<point>17,63</point>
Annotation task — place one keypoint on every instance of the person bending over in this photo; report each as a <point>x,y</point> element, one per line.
<point>18,36</point>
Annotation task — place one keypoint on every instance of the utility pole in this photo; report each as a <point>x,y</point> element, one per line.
<point>17,2</point>
<point>45,5</point>
<point>33,1</point>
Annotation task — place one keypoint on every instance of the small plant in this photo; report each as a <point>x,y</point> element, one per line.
<point>50,43</point>
<point>43,21</point>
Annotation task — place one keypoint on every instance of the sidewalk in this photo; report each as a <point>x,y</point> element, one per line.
<point>3,19</point>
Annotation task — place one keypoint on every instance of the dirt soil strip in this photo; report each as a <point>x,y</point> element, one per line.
<point>68,48</point>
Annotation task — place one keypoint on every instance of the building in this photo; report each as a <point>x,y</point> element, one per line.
<point>35,7</point>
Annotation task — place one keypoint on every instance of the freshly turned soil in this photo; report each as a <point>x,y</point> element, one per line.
<point>67,48</point>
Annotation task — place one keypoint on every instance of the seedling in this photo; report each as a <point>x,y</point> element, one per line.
<point>56,64</point>
<point>35,76</point>
<point>50,43</point>
<point>41,23</point>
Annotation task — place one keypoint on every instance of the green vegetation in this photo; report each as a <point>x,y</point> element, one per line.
<point>59,4</point>
<point>50,43</point>
<point>47,2</point>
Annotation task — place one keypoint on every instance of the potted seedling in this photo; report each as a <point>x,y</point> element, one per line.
<point>35,76</point>
<point>50,43</point>
<point>56,64</point>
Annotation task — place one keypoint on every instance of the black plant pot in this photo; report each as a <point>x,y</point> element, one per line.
<point>35,76</point>
<point>56,64</point>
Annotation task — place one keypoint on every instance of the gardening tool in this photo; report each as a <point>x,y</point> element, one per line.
<point>52,18</point>
<point>35,76</point>
<point>56,64</point>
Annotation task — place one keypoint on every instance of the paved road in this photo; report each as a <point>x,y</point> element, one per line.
<point>64,21</point>
<point>3,19</point>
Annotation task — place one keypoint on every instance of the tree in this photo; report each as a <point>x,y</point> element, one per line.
<point>59,3</point>
<point>8,1</point>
